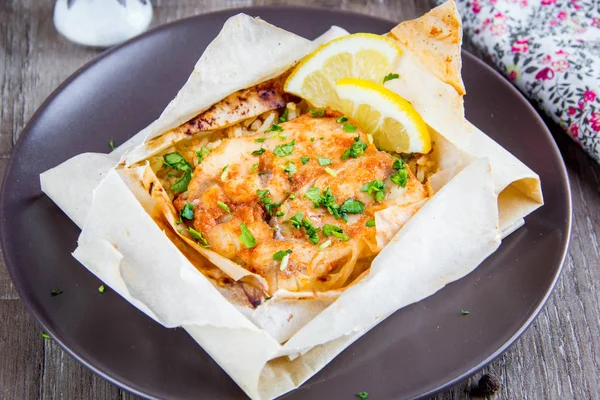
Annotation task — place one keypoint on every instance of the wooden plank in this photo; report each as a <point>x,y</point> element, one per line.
<point>63,377</point>
<point>7,290</point>
<point>38,60</point>
<point>558,357</point>
<point>22,350</point>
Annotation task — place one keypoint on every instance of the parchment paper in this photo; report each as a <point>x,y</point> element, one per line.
<point>482,192</point>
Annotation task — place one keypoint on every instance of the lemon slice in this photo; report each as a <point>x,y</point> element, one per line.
<point>393,121</point>
<point>361,55</point>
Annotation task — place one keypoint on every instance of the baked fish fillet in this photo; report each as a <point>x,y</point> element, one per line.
<point>298,204</point>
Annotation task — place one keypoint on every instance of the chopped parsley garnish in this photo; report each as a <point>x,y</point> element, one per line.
<point>177,162</point>
<point>225,172</point>
<point>398,163</point>
<point>267,201</point>
<point>464,312</point>
<point>111,144</point>
<point>310,230</point>
<point>260,140</point>
<point>312,139</point>
<point>282,137</point>
<point>323,161</point>
<point>322,138</point>
<point>292,196</point>
<point>284,150</point>
<point>223,207</point>
<point>327,200</point>
<point>357,149</point>
<point>284,115</point>
<point>314,195</point>
<point>400,178</point>
<point>187,211</point>
<point>290,168</point>
<point>362,395</point>
<point>298,221</point>
<point>319,112</point>
<point>201,153</point>
<point>279,214</point>
<point>330,171</point>
<point>246,237</point>
<point>275,128</point>
<point>258,152</point>
<point>341,119</point>
<point>198,237</point>
<point>304,160</point>
<point>370,223</point>
<point>181,185</point>
<point>375,189</point>
<point>101,288</point>
<point>280,254</point>
<point>352,206</point>
<point>45,335</point>
<point>390,76</point>
<point>254,167</point>
<point>348,127</point>
<point>56,292</point>
<point>335,231</point>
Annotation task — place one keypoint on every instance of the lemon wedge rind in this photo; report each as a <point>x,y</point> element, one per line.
<point>360,55</point>
<point>392,120</point>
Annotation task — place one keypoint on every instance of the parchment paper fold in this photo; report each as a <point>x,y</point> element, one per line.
<point>482,192</point>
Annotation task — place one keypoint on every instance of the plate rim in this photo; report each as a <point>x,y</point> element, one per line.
<point>563,176</point>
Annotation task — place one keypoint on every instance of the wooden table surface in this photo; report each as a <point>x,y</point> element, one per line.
<point>557,358</point>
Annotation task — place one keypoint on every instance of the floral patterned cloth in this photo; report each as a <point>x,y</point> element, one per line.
<point>550,49</point>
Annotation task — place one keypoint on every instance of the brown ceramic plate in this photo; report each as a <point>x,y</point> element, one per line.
<point>415,352</point>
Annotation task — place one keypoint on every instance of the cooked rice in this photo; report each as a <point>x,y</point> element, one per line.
<point>421,166</point>
<point>255,125</point>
